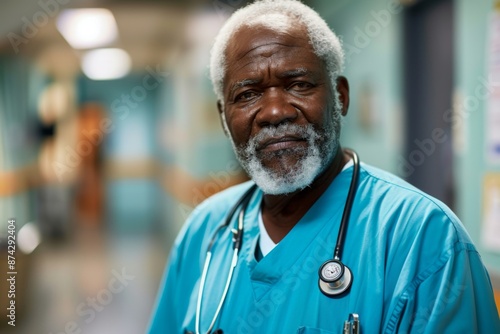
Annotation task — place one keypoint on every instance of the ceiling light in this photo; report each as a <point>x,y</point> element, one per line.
<point>106,64</point>
<point>88,27</point>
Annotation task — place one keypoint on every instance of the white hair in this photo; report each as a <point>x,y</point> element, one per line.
<point>325,43</point>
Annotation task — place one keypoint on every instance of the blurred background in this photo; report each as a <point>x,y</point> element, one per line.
<point>109,136</point>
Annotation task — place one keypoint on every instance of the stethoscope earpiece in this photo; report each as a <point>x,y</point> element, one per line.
<point>334,278</point>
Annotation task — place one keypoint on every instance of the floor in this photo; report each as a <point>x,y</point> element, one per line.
<point>94,283</point>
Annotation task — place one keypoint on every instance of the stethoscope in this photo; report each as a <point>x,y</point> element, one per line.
<point>335,278</point>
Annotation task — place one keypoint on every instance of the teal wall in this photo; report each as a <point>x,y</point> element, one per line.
<point>371,33</point>
<point>20,87</point>
<point>472,23</point>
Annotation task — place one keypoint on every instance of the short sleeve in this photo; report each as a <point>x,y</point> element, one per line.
<point>456,297</point>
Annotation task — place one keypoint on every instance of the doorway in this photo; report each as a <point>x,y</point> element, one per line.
<point>428,77</point>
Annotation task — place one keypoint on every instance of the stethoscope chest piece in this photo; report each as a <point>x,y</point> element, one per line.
<point>334,278</point>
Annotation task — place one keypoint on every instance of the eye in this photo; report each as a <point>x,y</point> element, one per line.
<point>300,86</point>
<point>245,96</point>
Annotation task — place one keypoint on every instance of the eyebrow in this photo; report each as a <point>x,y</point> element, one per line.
<point>298,72</point>
<point>243,83</point>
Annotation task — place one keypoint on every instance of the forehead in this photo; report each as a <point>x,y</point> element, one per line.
<point>251,46</point>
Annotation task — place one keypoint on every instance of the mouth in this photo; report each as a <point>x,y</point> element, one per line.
<point>281,143</point>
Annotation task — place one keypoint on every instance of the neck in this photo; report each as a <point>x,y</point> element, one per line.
<point>280,213</point>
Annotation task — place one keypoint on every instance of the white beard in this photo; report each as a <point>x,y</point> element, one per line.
<point>322,146</point>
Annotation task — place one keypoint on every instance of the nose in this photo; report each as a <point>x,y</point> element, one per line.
<point>275,109</point>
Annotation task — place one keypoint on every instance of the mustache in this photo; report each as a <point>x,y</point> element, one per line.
<point>267,135</point>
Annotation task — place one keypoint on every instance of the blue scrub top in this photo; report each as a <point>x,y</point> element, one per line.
<point>415,268</point>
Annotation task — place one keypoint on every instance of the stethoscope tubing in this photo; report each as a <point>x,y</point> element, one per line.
<point>348,206</point>
<point>200,290</point>
<point>238,240</point>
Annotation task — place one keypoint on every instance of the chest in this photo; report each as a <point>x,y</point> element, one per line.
<point>280,294</point>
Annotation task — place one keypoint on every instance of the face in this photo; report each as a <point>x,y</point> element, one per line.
<point>279,108</point>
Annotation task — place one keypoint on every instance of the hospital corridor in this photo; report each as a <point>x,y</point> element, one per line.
<point>111,135</point>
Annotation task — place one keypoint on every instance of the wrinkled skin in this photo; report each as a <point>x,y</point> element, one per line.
<point>274,78</point>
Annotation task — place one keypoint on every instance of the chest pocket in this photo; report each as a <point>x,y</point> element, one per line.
<point>310,330</point>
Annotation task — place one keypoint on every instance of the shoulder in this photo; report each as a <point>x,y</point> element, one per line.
<point>419,233</point>
<point>390,182</point>
<point>209,215</point>
<point>393,188</point>
<point>413,209</point>
<point>423,240</point>
<point>218,205</point>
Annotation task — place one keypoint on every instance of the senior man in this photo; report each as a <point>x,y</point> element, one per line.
<point>280,253</point>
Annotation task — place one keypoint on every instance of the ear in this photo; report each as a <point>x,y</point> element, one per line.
<point>343,90</point>
<point>220,108</point>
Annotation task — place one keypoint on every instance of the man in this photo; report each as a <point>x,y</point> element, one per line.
<point>413,269</point>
